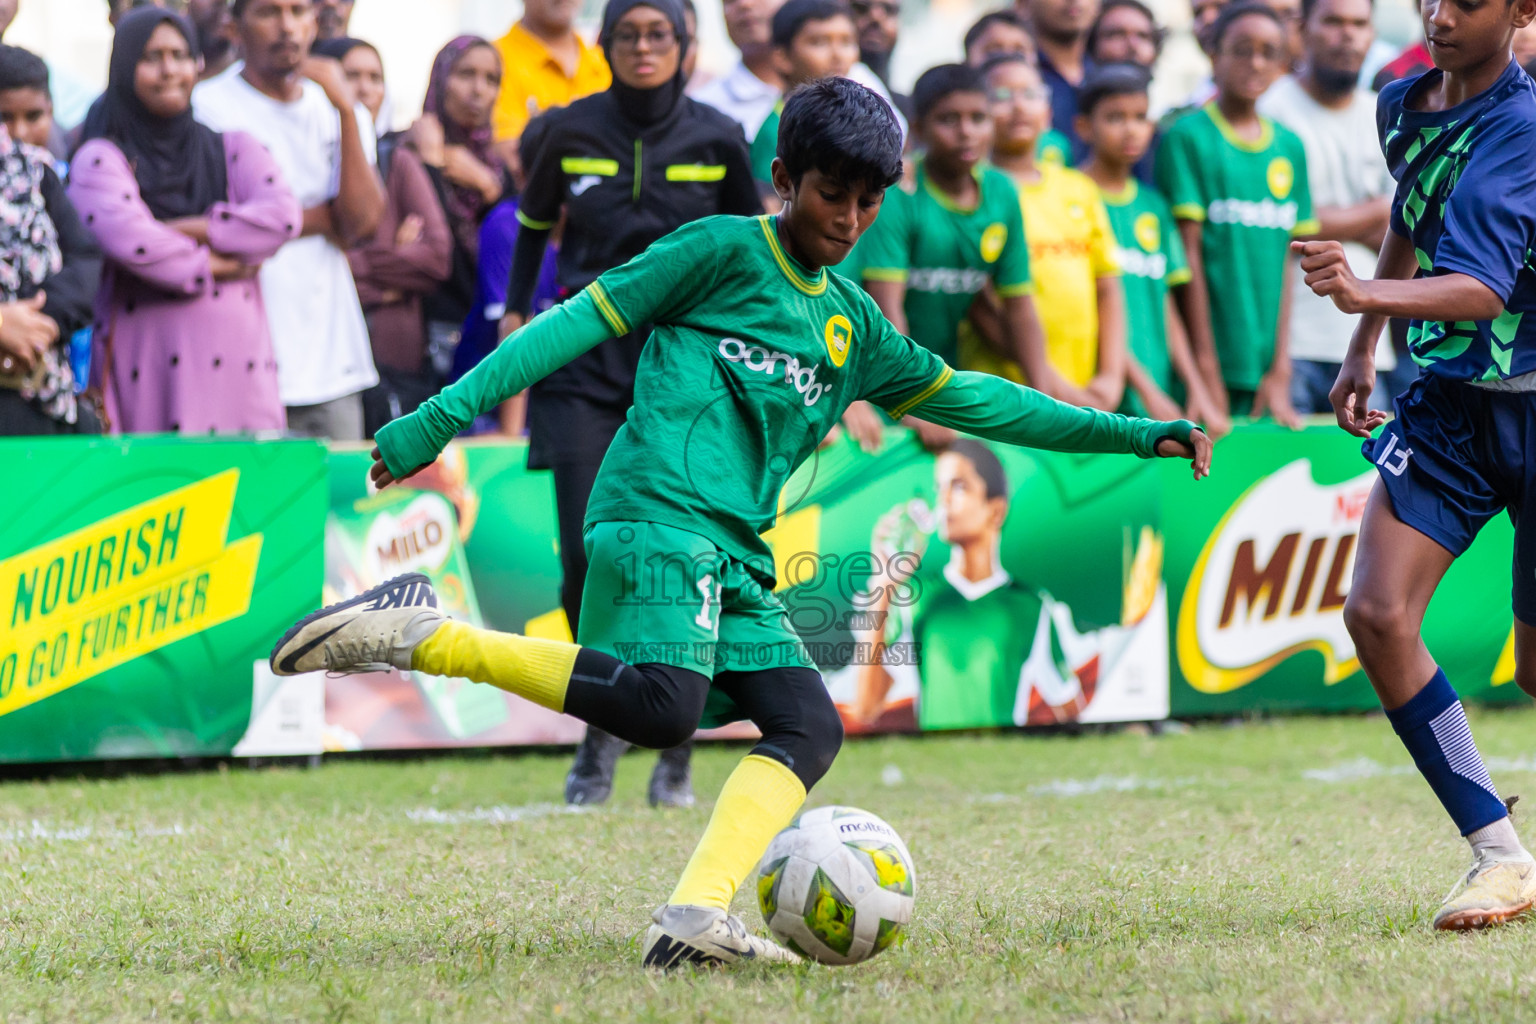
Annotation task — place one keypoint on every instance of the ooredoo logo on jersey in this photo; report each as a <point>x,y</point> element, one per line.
<point>757,359</point>
<point>1271,581</point>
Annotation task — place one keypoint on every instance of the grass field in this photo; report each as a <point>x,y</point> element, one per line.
<point>1279,870</point>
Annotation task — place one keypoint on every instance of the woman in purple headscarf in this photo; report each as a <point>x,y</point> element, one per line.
<point>454,139</point>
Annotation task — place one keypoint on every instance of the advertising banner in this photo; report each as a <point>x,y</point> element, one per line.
<point>989,587</point>
<point>476,500</point>
<point>141,582</point>
<point>1258,563</point>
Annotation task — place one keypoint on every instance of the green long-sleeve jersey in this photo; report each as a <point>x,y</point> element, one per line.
<point>752,359</point>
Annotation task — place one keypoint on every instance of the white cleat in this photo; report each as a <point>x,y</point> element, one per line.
<point>373,632</point>
<point>1492,893</point>
<point>704,936</point>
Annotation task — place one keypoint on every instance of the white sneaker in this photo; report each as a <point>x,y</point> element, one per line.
<point>373,632</point>
<point>705,936</point>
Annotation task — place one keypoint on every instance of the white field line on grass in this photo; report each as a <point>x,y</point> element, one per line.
<point>501,814</point>
<point>1109,784</point>
<point>37,831</point>
<point>1366,768</point>
<point>1346,771</point>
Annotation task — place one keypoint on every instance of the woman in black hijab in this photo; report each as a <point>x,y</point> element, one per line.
<point>625,167</point>
<point>186,216</point>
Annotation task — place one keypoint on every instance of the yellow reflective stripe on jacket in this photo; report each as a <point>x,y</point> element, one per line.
<point>589,165</point>
<point>696,172</point>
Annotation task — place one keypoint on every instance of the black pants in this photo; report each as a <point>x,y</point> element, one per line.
<point>573,489</point>
<point>657,705</point>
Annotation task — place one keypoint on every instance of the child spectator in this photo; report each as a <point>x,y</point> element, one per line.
<point>1237,183</point>
<point>1126,32</point>
<point>811,39</point>
<point>1114,122</point>
<point>49,268</point>
<point>26,105</point>
<point>1071,252</point>
<point>935,246</point>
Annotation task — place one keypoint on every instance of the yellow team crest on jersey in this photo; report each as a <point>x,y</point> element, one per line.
<point>839,336</point>
<point>1148,232</point>
<point>992,241</point>
<point>1281,176</point>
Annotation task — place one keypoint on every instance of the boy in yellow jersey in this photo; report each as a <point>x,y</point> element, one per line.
<point>1072,252</point>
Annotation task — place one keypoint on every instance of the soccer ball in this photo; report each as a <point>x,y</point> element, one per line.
<point>837,885</point>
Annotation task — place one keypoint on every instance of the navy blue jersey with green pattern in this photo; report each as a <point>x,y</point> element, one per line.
<point>1466,198</point>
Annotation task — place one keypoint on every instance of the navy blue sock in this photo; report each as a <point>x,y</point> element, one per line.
<point>1434,728</point>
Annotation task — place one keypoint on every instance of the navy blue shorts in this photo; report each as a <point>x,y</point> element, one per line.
<point>1454,458</point>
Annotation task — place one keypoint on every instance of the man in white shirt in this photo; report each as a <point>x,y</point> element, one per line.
<point>748,92</point>
<point>301,109</point>
<point>1351,186</point>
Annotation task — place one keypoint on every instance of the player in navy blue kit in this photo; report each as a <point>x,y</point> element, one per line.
<point>1458,264</point>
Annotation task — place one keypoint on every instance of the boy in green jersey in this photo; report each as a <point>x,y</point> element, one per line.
<point>957,229</point>
<point>811,39</point>
<point>1238,186</point>
<point>755,353</point>
<point>1112,119</point>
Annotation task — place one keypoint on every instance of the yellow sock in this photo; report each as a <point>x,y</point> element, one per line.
<point>536,669</point>
<point>759,799</point>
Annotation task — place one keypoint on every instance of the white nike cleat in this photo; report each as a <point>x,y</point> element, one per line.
<point>373,632</point>
<point>704,936</point>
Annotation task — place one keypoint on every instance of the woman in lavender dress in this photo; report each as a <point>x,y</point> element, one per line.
<point>186,217</point>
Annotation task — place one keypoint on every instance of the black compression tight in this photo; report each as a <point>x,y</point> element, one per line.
<point>656,705</point>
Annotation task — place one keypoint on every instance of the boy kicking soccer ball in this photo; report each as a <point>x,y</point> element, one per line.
<point>1457,265</point>
<point>757,352</point>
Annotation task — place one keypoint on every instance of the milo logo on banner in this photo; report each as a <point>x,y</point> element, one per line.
<point>1271,581</point>
<point>124,586</point>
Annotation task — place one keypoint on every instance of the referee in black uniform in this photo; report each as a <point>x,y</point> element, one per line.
<point>626,166</point>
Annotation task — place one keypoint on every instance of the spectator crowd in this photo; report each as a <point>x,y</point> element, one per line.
<point>235,238</point>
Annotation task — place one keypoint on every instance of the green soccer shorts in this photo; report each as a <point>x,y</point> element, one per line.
<point>655,593</point>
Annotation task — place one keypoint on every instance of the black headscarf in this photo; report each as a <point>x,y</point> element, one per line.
<point>646,106</point>
<point>178,162</point>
